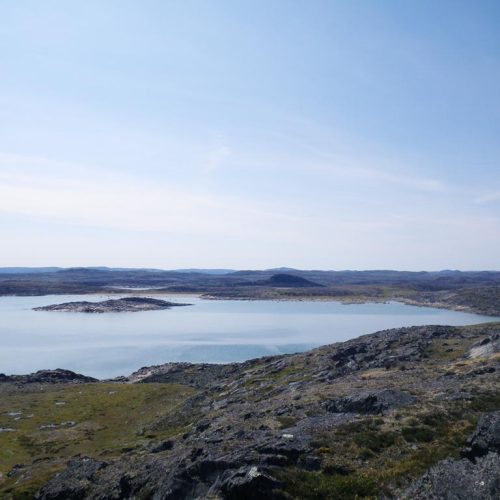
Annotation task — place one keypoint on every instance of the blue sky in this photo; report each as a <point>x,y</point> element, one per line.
<point>250,134</point>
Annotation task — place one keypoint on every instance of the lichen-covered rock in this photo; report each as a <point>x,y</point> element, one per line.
<point>74,481</point>
<point>459,480</point>
<point>486,438</point>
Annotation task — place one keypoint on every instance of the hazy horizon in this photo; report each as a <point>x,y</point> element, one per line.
<point>242,135</point>
<point>226,269</point>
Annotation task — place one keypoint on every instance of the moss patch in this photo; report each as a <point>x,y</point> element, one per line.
<point>306,485</point>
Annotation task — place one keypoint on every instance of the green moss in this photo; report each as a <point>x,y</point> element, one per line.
<point>306,485</point>
<point>286,421</point>
<point>488,401</point>
<point>375,441</point>
<point>418,434</point>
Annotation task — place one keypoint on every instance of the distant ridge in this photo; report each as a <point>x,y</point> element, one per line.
<point>33,270</point>
<point>29,270</point>
<point>204,271</point>
<point>224,271</point>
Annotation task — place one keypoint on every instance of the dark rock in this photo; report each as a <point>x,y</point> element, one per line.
<point>163,446</point>
<point>291,447</point>
<point>58,376</point>
<point>202,426</point>
<point>274,460</point>
<point>209,469</point>
<point>369,402</point>
<point>16,469</point>
<point>482,371</point>
<point>311,463</point>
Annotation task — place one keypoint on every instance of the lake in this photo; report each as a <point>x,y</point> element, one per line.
<point>111,344</point>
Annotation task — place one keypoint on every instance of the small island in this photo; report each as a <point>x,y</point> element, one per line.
<point>126,304</point>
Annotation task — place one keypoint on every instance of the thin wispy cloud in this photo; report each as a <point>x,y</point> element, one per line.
<point>135,204</point>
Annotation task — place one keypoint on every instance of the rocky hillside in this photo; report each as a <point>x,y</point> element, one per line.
<point>404,413</point>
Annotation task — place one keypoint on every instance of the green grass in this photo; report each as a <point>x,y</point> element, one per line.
<point>108,420</point>
<point>448,349</point>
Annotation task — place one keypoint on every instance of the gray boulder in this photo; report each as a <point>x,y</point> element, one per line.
<point>486,437</point>
<point>248,483</point>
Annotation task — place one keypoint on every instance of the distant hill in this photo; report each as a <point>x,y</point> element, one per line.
<point>205,271</point>
<point>289,280</point>
<point>37,270</point>
<point>28,270</point>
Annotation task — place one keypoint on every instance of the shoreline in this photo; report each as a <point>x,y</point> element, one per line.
<point>345,300</point>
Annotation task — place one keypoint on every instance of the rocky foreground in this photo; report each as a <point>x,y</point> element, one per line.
<point>411,413</point>
<point>126,304</point>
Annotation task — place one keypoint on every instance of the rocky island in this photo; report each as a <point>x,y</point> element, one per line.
<point>126,304</point>
<point>408,413</point>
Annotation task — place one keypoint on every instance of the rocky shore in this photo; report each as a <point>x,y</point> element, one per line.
<point>409,413</point>
<point>126,304</point>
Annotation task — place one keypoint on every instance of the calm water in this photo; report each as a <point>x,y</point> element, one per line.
<point>106,345</point>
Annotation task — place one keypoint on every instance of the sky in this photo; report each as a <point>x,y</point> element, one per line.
<point>250,134</point>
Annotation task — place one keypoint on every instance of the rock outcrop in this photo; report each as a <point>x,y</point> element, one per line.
<point>58,376</point>
<point>368,403</point>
